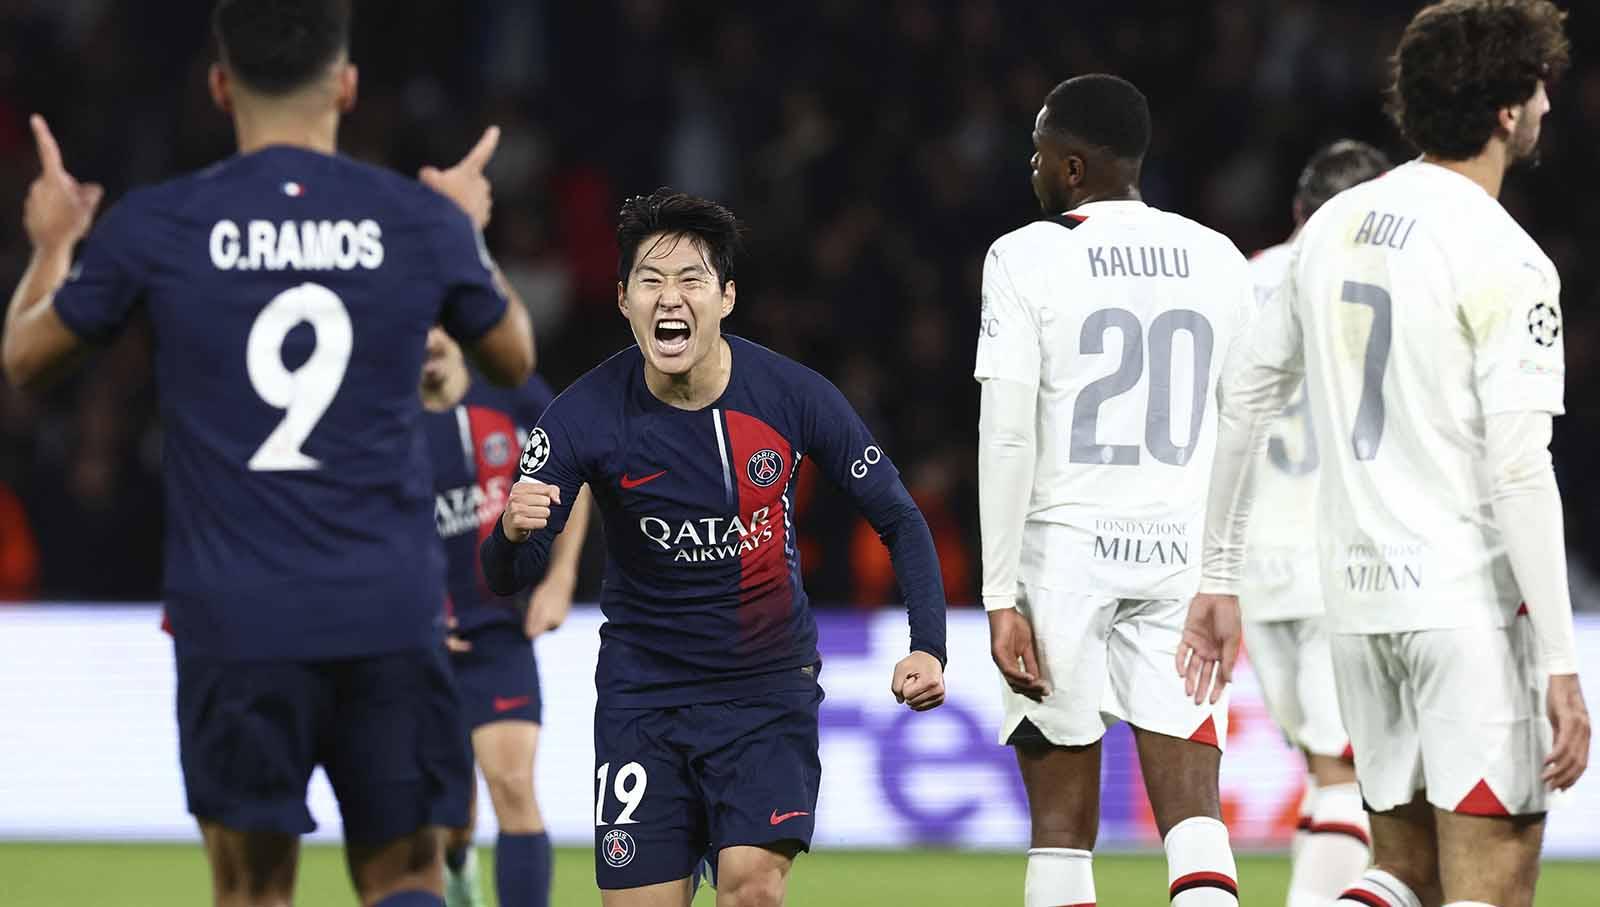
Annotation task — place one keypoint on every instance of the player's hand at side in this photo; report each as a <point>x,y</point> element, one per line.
<point>59,209</point>
<point>1210,646</point>
<point>528,509</point>
<point>465,183</point>
<point>1012,646</point>
<point>918,682</point>
<point>1569,755</point>
<point>549,606</point>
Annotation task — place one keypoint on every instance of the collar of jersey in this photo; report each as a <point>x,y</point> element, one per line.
<point>1109,206</point>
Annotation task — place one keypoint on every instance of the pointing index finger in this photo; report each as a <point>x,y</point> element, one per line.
<point>479,156</point>
<point>49,151</point>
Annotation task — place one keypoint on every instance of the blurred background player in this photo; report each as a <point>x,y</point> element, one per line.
<point>1428,325</point>
<point>290,292</point>
<point>1282,594</point>
<point>1103,331</point>
<point>475,431</point>
<point>706,733</point>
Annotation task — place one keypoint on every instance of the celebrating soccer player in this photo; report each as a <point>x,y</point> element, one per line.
<point>1281,596</point>
<point>1427,324</point>
<point>1103,332</point>
<point>474,432</point>
<point>706,729</point>
<point>291,291</point>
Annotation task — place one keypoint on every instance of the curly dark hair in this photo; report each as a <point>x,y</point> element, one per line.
<point>710,226</point>
<point>1461,61</point>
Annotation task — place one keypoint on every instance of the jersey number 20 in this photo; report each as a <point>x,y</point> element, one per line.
<point>305,393</point>
<point>1085,447</point>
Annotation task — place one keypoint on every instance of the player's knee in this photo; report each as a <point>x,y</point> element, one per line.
<point>1419,874</point>
<point>511,790</point>
<point>1064,827</point>
<point>759,888</point>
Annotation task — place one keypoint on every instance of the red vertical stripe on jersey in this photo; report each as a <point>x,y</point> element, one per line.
<point>766,597</point>
<point>493,479</point>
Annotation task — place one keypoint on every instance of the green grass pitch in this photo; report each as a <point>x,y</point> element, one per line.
<point>163,875</point>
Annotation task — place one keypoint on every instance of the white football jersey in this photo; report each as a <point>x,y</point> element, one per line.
<point>1280,568</point>
<point>1120,316</point>
<point>1416,307</point>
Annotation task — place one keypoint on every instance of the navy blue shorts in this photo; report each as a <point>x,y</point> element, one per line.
<point>499,679</point>
<point>679,784</point>
<point>385,728</point>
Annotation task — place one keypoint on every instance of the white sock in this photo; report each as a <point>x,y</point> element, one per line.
<point>1336,851</point>
<point>1302,828</point>
<point>1377,888</point>
<point>1200,870</point>
<point>1059,877</point>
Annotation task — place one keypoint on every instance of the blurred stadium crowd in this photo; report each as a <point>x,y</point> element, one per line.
<point>874,147</point>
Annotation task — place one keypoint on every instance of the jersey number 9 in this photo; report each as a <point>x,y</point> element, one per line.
<point>305,393</point>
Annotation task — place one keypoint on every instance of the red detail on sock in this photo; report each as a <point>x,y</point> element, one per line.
<point>1304,824</point>
<point>1363,897</point>
<point>1204,880</point>
<point>1349,754</point>
<point>1341,828</point>
<point>1481,801</point>
<point>1206,733</point>
<point>1522,610</point>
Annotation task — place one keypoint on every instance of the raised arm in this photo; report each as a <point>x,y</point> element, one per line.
<point>516,554</point>
<point>56,215</point>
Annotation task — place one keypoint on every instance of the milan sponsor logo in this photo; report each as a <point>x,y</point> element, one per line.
<point>765,467</point>
<point>618,848</point>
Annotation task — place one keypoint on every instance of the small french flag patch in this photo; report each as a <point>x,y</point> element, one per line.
<point>293,189</point>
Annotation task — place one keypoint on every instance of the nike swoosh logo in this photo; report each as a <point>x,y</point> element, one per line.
<point>778,819</point>
<point>515,702</point>
<point>635,483</point>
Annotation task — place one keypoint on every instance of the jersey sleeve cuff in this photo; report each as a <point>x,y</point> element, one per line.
<point>999,602</point>
<point>1210,585</point>
<point>931,649</point>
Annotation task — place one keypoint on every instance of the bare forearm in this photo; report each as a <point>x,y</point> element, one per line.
<point>33,344</point>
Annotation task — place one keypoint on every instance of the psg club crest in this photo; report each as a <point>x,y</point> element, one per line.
<point>765,467</point>
<point>618,848</point>
<point>497,449</point>
<point>536,453</point>
<point>1544,324</point>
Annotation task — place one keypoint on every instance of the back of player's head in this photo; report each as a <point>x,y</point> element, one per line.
<point>1334,169</point>
<point>277,46</point>
<point>1462,61</point>
<point>712,228</point>
<point>1102,111</point>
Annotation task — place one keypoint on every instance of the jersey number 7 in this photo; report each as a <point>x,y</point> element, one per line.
<point>1368,432</point>
<point>305,393</point>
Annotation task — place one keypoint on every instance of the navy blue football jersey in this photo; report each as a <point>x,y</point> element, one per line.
<point>474,446</point>
<point>291,293</point>
<point>702,596</point>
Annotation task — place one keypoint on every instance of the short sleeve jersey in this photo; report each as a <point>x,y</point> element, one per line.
<point>290,294</point>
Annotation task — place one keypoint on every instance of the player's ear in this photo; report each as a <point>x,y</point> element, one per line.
<point>1075,170</point>
<point>1508,119</point>
<point>622,298</point>
<point>728,294</point>
<point>221,91</point>
<point>349,79</point>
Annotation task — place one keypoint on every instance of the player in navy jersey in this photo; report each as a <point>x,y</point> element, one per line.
<point>474,433</point>
<point>290,292</point>
<point>706,725</point>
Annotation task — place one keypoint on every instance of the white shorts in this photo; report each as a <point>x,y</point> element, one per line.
<point>1457,714</point>
<point>1108,660</point>
<point>1292,662</point>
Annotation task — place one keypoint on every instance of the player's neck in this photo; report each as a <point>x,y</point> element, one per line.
<point>444,397</point>
<point>697,388</point>
<point>1488,169</point>
<point>290,126</point>
<point>1123,193</point>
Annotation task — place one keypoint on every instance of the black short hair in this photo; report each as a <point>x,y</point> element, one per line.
<point>1336,168</point>
<point>1461,61</point>
<point>277,46</point>
<point>711,227</point>
<point>1102,110</point>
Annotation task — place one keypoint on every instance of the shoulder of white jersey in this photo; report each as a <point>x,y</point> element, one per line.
<point>1044,236</point>
<point>1269,266</point>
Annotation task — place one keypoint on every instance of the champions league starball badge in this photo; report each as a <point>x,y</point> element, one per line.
<point>536,453</point>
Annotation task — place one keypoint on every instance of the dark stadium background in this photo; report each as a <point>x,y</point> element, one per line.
<point>874,147</point>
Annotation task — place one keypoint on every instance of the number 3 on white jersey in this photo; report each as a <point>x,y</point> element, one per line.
<point>305,393</point>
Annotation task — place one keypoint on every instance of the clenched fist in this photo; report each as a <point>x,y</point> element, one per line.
<point>918,682</point>
<point>528,509</point>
